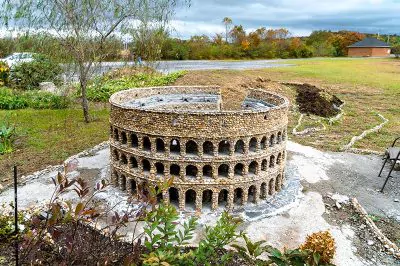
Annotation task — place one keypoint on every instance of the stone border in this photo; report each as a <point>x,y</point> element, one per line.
<point>353,140</point>
<point>391,247</point>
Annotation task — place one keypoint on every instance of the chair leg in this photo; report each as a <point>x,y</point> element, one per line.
<point>383,166</point>
<point>388,176</point>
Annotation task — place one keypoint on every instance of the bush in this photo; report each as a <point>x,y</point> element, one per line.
<point>12,99</point>
<point>102,88</point>
<point>396,50</point>
<point>4,73</point>
<point>28,75</point>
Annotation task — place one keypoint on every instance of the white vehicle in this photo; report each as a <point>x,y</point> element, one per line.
<point>17,58</point>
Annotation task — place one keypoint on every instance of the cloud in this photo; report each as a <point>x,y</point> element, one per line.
<point>300,17</point>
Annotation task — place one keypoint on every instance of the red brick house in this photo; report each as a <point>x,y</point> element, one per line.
<point>369,47</point>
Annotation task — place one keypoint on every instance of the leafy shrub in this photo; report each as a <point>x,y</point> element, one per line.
<point>6,137</point>
<point>12,99</point>
<point>102,88</point>
<point>396,50</point>
<point>7,227</point>
<point>321,243</point>
<point>4,73</point>
<point>28,75</point>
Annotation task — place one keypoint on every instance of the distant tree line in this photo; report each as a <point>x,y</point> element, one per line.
<point>235,43</point>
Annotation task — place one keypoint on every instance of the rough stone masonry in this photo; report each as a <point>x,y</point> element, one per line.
<point>219,157</point>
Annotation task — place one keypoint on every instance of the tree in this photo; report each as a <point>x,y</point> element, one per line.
<point>227,22</point>
<point>83,26</point>
<point>396,50</point>
<point>238,34</point>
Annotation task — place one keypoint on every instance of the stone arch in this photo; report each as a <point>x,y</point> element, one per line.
<point>207,198</point>
<point>207,171</point>
<point>271,186</point>
<point>116,155</point>
<point>223,198</point>
<point>278,183</point>
<point>133,162</point>
<point>238,196</point>
<point>263,190</point>
<point>208,148</point>
<point>239,146</point>
<point>159,168</point>
<point>239,169</point>
<point>173,196</point>
<point>124,138</point>
<point>123,182</point>
<point>124,160</point>
<point>253,167</point>
<point>116,134</point>
<point>191,148</point>
<point>272,161</point>
<point>272,140</point>
<point>160,146</point>
<point>133,186</point>
<point>279,159</point>
<point>264,165</point>
<point>190,199</point>
<point>159,194</point>
<point>116,178</point>
<point>263,143</point>
<point>174,170</point>
<point>191,171</point>
<point>252,194</point>
<point>146,166</point>
<point>253,144</point>
<point>279,137</point>
<point>175,146</point>
<point>223,170</point>
<point>134,140</point>
<point>224,147</point>
<point>146,144</point>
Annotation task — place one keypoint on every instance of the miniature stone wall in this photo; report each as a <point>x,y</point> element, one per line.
<point>218,158</point>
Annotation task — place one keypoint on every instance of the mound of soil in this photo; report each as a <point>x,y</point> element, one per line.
<point>312,100</point>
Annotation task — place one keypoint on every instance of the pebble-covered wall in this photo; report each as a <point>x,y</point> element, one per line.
<point>218,158</point>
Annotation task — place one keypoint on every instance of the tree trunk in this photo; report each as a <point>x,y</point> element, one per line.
<point>85,105</point>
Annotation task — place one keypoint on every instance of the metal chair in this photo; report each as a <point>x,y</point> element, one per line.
<point>393,156</point>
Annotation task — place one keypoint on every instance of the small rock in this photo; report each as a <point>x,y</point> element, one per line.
<point>370,242</point>
<point>338,205</point>
<point>386,246</point>
<point>362,226</point>
<point>396,200</point>
<point>1,186</point>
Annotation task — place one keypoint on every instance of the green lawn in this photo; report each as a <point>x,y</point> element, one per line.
<point>46,137</point>
<point>371,72</point>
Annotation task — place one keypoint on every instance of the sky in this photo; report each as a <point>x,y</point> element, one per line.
<point>301,17</point>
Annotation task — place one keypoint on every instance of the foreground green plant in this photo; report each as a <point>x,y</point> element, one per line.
<point>7,132</point>
<point>13,99</point>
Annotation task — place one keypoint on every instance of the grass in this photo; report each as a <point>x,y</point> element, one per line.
<point>47,137</point>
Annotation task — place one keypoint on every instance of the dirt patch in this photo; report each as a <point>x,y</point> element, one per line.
<point>313,100</point>
<point>389,227</point>
<point>368,245</point>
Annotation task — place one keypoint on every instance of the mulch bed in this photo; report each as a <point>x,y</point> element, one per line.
<point>312,100</point>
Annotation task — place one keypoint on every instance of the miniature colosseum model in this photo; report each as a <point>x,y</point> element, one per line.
<point>220,154</point>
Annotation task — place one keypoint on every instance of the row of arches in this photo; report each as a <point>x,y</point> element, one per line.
<point>197,171</point>
<point>191,199</point>
<point>173,146</point>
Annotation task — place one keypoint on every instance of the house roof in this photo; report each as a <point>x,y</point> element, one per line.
<point>369,42</point>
